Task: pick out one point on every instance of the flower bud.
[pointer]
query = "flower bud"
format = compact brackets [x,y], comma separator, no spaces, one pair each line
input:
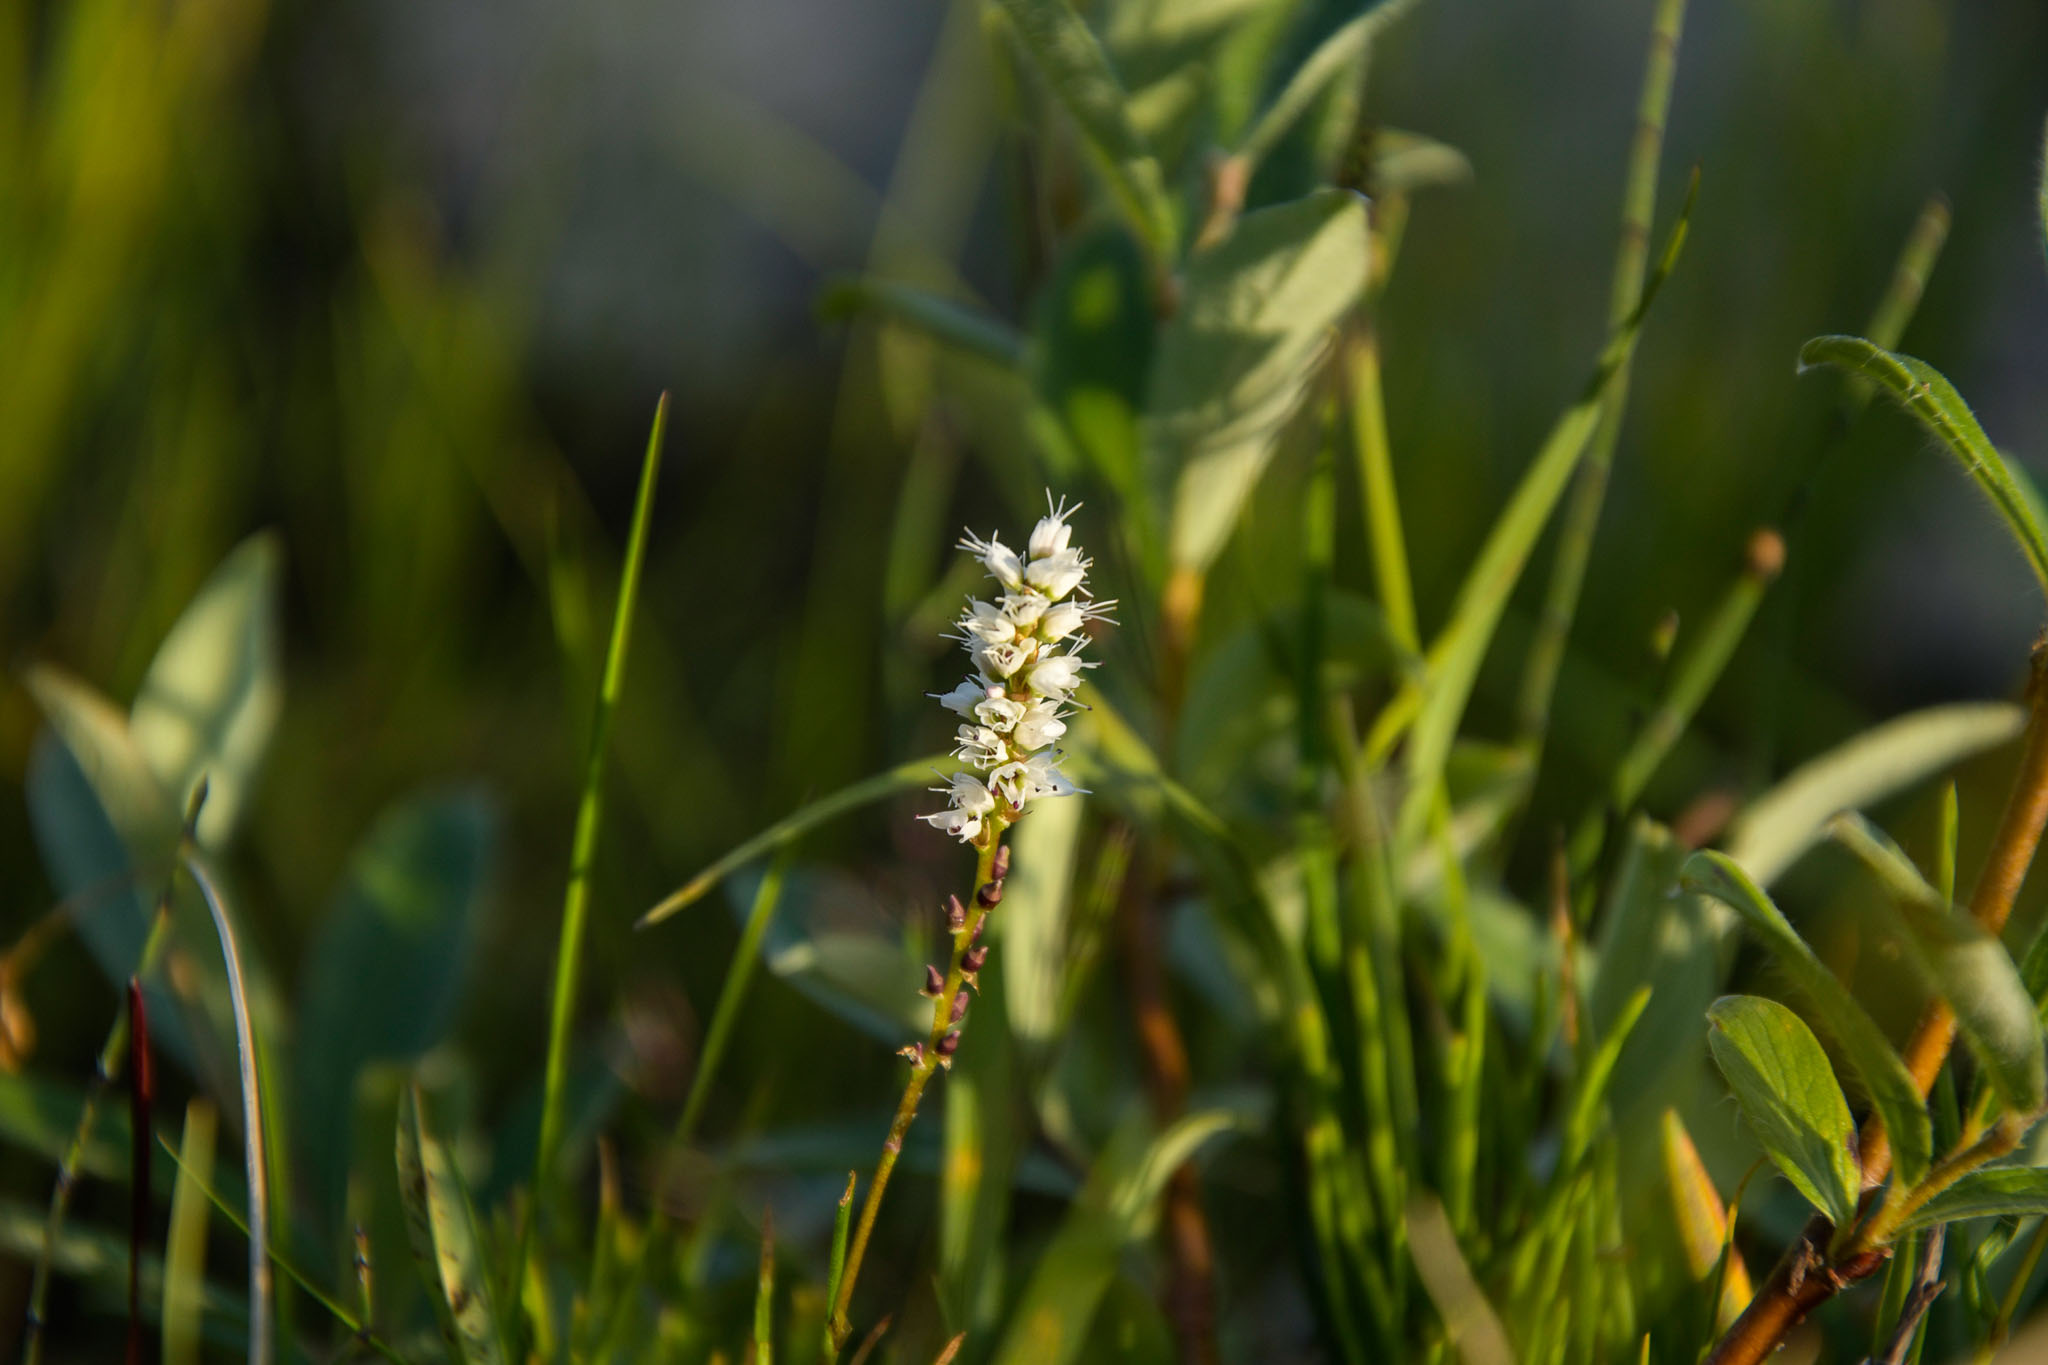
[973,959]
[933,982]
[959,1007]
[949,1044]
[990,895]
[956,915]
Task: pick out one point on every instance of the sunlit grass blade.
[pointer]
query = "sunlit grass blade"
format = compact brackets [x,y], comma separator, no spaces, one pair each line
[902,778]
[1078,74]
[1890,1086]
[185,1244]
[1631,260]
[1702,1222]
[589,816]
[947,321]
[446,1239]
[1775,830]
[1933,401]
[745,958]
[1470,1323]
[842,1222]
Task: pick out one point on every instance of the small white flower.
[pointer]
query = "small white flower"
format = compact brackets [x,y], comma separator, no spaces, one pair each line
[999,713]
[963,699]
[957,823]
[1062,620]
[968,794]
[1043,777]
[979,745]
[1024,608]
[1058,675]
[1057,574]
[1000,661]
[984,621]
[1039,726]
[1051,534]
[1000,560]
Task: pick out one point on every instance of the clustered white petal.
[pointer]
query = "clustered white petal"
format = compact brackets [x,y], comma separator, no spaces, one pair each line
[1026,651]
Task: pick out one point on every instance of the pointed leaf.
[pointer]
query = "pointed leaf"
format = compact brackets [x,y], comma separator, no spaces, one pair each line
[1958,961]
[1336,58]
[1921,390]
[1890,1086]
[446,1240]
[1781,1078]
[211,697]
[1773,831]
[2002,1191]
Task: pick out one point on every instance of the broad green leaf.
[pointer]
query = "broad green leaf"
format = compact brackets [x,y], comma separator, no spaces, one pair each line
[1050,1322]
[2000,1192]
[1334,60]
[1885,1078]
[1781,1078]
[1091,349]
[211,697]
[1077,73]
[947,321]
[1958,961]
[1257,311]
[902,778]
[1437,703]
[1921,390]
[383,975]
[446,1240]
[1773,831]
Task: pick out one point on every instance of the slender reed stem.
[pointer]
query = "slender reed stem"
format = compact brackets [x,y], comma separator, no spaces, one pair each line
[589,817]
[1631,264]
[926,1058]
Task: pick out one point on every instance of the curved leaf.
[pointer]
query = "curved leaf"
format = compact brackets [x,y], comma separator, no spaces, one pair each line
[445,1238]
[1336,58]
[1890,1086]
[1773,831]
[1920,389]
[2002,1191]
[1781,1078]
[1967,967]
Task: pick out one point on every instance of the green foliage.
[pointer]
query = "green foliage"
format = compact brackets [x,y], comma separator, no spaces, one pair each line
[447,1241]
[1781,1077]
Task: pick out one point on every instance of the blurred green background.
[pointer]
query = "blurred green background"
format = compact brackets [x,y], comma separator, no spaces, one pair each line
[402,282]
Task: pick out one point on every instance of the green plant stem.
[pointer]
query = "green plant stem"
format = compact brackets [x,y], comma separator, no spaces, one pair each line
[1361,374]
[1901,1204]
[2009,1306]
[589,817]
[1631,262]
[113,1055]
[923,1066]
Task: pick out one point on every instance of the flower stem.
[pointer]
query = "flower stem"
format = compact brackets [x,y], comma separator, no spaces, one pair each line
[925,1061]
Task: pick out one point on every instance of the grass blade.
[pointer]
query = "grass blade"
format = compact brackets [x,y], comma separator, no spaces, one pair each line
[1890,1086]
[141,1099]
[185,1246]
[1777,828]
[764,1294]
[901,778]
[1921,389]
[1437,705]
[745,958]
[445,1238]
[589,815]
[944,320]
[1631,260]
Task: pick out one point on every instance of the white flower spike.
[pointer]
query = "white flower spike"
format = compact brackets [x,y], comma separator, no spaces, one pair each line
[1016,704]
